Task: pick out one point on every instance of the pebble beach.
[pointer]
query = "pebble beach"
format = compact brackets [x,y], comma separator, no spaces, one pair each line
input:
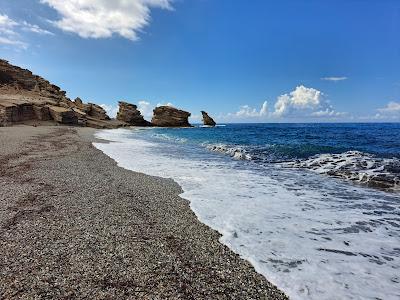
[74,225]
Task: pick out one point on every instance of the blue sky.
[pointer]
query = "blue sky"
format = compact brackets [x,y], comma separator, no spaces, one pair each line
[242,61]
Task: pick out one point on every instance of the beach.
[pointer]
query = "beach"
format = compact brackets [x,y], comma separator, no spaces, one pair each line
[75,225]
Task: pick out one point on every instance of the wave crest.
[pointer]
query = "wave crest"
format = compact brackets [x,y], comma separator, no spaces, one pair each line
[235,152]
[355,166]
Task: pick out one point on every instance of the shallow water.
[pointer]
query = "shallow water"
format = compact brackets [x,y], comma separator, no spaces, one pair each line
[314,236]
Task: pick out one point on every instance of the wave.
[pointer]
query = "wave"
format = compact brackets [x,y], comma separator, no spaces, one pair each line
[356,166]
[237,152]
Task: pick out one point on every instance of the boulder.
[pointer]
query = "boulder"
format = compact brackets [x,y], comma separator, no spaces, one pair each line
[130,114]
[42,113]
[207,120]
[63,115]
[167,116]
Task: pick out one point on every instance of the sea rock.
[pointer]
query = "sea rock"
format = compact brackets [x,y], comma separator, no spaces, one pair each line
[207,120]
[167,116]
[130,114]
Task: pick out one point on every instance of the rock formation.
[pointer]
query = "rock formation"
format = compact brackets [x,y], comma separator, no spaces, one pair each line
[166,116]
[28,97]
[129,113]
[207,120]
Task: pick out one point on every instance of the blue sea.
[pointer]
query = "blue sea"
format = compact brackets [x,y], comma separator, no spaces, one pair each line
[314,207]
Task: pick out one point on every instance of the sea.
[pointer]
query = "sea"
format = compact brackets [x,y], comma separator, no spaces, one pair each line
[315,208]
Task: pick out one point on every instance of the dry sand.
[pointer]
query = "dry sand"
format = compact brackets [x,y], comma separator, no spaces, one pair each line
[73,225]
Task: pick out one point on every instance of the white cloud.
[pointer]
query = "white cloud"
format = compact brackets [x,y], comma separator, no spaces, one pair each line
[145,108]
[165,104]
[12,42]
[246,111]
[301,99]
[7,25]
[390,108]
[34,28]
[111,110]
[302,102]
[9,34]
[104,18]
[335,79]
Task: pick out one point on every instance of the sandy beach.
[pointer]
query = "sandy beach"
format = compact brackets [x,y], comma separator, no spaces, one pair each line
[74,225]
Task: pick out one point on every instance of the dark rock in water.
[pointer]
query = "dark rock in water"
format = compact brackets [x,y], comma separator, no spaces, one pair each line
[166,116]
[207,120]
[130,114]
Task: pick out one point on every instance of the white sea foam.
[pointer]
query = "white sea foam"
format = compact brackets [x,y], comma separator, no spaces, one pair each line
[234,152]
[355,166]
[313,236]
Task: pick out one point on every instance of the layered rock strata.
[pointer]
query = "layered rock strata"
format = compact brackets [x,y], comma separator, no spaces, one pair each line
[129,113]
[167,116]
[28,97]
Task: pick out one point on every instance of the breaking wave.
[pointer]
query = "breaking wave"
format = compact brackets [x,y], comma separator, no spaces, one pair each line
[237,152]
[355,166]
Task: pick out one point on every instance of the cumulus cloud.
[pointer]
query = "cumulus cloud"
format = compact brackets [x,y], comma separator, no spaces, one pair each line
[104,18]
[334,79]
[110,109]
[9,31]
[247,111]
[145,108]
[301,99]
[302,102]
[390,108]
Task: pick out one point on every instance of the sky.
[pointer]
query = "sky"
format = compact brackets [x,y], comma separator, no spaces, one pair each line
[239,60]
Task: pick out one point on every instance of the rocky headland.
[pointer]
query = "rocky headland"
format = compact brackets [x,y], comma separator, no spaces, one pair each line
[26,98]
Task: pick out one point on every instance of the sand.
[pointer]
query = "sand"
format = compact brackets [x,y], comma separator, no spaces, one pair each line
[74,225]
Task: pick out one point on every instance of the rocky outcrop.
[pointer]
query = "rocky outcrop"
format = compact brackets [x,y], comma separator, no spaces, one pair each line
[167,116]
[129,113]
[28,97]
[207,120]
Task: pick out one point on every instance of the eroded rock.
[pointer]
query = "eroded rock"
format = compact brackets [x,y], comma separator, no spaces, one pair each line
[167,116]
[207,120]
[130,114]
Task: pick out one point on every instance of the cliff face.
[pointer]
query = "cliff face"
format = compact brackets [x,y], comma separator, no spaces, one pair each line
[207,120]
[28,97]
[130,114]
[166,116]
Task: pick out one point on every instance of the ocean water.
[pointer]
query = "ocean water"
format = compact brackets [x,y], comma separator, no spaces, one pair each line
[314,207]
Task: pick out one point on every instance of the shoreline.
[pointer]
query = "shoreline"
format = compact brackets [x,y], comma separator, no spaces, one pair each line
[74,224]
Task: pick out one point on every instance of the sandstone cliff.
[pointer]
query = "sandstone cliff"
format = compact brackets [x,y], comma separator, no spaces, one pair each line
[166,116]
[130,114]
[207,120]
[28,97]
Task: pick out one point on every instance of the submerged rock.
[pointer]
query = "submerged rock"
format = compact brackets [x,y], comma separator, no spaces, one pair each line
[130,114]
[207,120]
[167,116]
